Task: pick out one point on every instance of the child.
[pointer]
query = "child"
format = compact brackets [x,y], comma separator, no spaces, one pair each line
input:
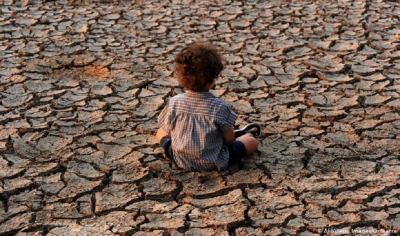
[196,128]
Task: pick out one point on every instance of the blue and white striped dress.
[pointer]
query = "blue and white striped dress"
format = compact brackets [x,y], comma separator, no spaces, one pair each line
[196,122]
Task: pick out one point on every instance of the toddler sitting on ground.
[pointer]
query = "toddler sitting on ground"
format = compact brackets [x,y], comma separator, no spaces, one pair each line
[196,128]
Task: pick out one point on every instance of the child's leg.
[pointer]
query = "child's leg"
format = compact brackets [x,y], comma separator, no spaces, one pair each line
[249,141]
[161,133]
[241,147]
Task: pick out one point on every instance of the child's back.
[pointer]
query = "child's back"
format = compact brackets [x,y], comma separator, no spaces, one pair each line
[195,121]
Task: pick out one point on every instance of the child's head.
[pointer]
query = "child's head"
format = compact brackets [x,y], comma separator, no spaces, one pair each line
[198,65]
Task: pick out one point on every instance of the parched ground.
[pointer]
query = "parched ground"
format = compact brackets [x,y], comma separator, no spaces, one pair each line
[82,83]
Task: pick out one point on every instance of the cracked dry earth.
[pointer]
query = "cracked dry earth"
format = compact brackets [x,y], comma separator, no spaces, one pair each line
[82,84]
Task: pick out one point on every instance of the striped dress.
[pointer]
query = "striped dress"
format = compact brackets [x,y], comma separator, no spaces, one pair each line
[196,122]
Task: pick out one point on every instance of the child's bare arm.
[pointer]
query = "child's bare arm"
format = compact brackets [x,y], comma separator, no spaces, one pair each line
[229,136]
[160,134]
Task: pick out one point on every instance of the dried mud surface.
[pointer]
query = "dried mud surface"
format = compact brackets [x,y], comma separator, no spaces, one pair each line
[82,84]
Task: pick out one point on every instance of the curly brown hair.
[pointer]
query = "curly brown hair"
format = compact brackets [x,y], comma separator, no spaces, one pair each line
[198,65]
